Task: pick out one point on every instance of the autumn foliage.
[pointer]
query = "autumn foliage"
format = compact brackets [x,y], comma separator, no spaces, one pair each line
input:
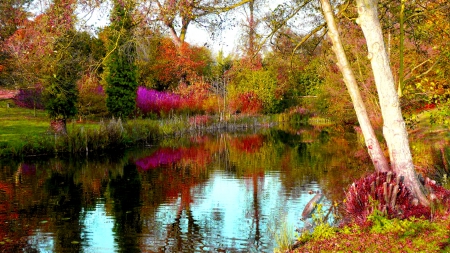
[247,102]
[30,98]
[194,98]
[389,195]
[175,64]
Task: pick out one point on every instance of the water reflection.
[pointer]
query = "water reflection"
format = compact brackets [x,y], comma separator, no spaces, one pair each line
[98,229]
[211,193]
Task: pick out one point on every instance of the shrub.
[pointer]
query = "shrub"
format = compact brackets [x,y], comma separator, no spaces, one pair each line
[152,101]
[193,96]
[30,98]
[92,98]
[383,192]
[247,103]
[255,88]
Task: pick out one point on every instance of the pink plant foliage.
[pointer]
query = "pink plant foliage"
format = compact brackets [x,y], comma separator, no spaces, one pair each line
[8,94]
[152,101]
[186,98]
[195,155]
[30,98]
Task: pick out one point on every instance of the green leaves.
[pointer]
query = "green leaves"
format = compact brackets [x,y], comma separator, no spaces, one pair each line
[121,70]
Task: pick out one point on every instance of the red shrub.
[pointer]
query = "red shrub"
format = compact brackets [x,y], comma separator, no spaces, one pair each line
[384,192]
[248,103]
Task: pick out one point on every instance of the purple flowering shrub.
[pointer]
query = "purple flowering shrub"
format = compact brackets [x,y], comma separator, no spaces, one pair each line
[192,99]
[30,98]
[152,101]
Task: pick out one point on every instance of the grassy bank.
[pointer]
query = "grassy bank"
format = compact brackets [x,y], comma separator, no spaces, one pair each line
[25,132]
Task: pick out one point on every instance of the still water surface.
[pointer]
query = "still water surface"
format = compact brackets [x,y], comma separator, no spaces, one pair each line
[227,192]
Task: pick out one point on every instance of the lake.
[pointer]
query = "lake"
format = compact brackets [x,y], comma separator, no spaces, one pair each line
[222,192]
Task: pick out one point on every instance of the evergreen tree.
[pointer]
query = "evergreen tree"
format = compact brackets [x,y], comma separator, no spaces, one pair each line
[61,93]
[120,67]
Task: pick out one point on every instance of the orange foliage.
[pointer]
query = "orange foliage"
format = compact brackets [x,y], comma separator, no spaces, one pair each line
[178,63]
[193,95]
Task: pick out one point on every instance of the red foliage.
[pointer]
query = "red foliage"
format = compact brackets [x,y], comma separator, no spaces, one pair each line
[176,63]
[441,194]
[8,94]
[248,103]
[367,194]
[193,96]
[36,37]
[426,107]
[197,155]
[248,144]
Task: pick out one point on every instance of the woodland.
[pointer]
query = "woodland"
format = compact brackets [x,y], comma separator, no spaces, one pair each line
[388,61]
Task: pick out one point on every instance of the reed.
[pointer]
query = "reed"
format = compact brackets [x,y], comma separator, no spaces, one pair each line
[284,237]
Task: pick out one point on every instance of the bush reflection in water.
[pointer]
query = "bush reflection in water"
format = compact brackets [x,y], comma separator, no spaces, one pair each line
[203,193]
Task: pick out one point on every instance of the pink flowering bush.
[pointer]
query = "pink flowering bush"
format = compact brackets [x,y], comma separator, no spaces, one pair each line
[190,99]
[152,101]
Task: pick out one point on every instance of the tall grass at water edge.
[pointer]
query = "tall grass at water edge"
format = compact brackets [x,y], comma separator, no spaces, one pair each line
[24,132]
[102,136]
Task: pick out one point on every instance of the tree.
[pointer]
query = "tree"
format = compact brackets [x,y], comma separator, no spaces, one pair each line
[120,67]
[177,15]
[394,129]
[184,64]
[61,93]
[12,16]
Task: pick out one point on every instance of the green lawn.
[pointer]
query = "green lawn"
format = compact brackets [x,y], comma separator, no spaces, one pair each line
[18,122]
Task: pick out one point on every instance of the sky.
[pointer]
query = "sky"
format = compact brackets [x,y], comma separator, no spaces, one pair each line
[226,42]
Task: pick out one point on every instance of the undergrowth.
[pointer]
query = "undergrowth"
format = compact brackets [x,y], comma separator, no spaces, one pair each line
[322,229]
[383,235]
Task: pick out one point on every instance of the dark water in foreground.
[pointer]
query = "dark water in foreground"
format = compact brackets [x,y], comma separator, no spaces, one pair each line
[206,193]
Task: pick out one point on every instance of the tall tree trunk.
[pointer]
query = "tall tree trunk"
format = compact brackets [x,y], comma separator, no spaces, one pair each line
[373,146]
[252,28]
[394,129]
[401,71]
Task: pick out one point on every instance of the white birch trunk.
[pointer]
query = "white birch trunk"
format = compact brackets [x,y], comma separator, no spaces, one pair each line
[376,153]
[394,129]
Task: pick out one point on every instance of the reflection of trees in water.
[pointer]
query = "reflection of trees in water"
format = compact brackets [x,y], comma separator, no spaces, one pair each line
[256,208]
[183,234]
[174,184]
[125,190]
[65,213]
[139,193]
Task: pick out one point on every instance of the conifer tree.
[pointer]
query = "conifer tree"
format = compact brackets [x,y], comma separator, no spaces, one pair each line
[120,67]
